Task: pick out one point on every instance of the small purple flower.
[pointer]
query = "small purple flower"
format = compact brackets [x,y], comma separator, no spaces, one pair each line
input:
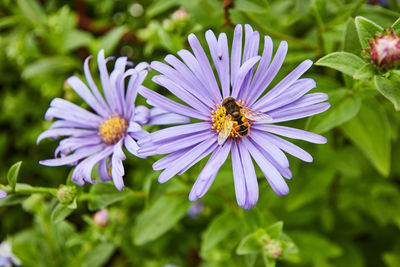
[244,125]
[99,136]
[195,210]
[7,258]
[3,194]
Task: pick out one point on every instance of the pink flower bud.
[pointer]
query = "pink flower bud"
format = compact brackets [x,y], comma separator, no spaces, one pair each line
[101,218]
[385,49]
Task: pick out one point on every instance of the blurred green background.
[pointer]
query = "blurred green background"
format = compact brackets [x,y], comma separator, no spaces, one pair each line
[342,210]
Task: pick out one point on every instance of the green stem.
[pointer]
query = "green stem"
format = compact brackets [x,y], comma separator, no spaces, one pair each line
[280,35]
[321,27]
[30,190]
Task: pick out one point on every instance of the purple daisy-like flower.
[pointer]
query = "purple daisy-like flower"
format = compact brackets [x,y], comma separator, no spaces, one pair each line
[99,136]
[237,117]
[3,194]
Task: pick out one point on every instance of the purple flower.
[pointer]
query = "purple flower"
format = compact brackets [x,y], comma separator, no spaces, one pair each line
[195,210]
[7,258]
[99,136]
[244,127]
[3,194]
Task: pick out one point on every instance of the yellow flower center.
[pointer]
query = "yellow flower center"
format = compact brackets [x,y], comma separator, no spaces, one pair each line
[219,115]
[113,129]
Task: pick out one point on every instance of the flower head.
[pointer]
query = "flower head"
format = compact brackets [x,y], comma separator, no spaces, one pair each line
[384,49]
[236,117]
[98,136]
[3,194]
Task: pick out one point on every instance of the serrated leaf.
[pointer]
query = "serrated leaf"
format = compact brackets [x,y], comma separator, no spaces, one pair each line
[163,215]
[366,29]
[344,106]
[218,230]
[12,174]
[342,61]
[60,212]
[389,87]
[370,132]
[104,194]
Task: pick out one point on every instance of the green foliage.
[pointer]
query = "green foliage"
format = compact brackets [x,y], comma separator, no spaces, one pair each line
[12,174]
[340,211]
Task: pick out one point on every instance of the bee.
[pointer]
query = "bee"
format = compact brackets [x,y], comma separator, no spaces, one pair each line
[237,119]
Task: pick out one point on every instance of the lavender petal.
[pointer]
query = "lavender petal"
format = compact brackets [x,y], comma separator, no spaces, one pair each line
[292,133]
[210,170]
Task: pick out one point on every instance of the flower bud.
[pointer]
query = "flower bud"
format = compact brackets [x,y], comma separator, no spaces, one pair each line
[180,15]
[273,249]
[66,194]
[100,218]
[384,49]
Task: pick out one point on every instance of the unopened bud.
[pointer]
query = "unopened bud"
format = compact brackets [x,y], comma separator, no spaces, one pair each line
[384,49]
[273,249]
[100,218]
[66,194]
[180,15]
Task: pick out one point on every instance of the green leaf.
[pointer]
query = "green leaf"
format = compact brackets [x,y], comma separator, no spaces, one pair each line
[99,255]
[351,41]
[396,25]
[314,247]
[218,230]
[366,73]
[109,41]
[366,30]
[342,61]
[249,6]
[104,194]
[370,132]
[13,200]
[12,174]
[344,106]
[250,244]
[49,66]
[60,212]
[163,215]
[274,231]
[390,87]
[33,11]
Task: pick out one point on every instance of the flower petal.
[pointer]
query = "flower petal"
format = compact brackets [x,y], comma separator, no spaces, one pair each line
[274,178]
[160,101]
[79,154]
[250,177]
[238,176]
[293,133]
[186,159]
[209,172]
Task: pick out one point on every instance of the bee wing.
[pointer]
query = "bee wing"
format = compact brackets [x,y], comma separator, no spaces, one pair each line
[225,130]
[255,115]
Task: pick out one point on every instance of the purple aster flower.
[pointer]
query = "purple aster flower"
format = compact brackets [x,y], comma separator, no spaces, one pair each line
[235,116]
[3,194]
[99,136]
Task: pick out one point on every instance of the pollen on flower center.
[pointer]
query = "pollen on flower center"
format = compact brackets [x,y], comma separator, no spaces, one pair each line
[230,112]
[113,129]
